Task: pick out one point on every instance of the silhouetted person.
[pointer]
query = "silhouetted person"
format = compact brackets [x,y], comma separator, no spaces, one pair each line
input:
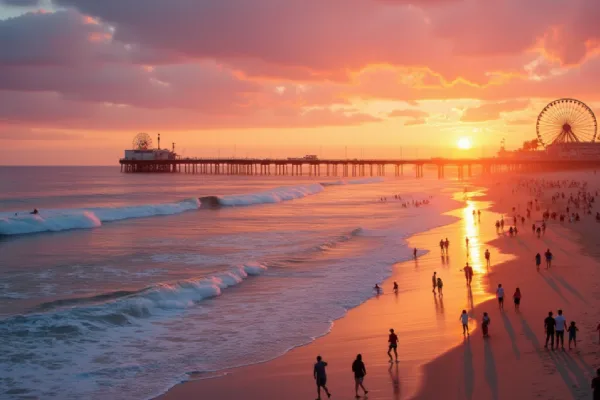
[596,385]
[358,367]
[538,261]
[549,324]
[393,341]
[572,334]
[321,377]
[485,322]
[395,287]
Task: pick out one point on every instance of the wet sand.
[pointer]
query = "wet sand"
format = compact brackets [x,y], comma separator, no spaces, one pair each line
[435,361]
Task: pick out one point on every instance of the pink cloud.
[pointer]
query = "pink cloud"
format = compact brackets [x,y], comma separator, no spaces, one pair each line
[492,111]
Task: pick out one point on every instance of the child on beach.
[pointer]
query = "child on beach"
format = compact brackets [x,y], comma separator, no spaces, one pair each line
[440,285]
[572,334]
[464,318]
[500,295]
[377,289]
[358,367]
[393,341]
[484,324]
[517,298]
[321,377]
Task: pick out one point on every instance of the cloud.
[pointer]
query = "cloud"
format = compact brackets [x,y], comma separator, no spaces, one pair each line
[408,113]
[416,121]
[21,3]
[16,133]
[492,111]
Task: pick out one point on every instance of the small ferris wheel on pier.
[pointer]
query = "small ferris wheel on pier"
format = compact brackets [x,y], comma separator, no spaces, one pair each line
[566,121]
[142,141]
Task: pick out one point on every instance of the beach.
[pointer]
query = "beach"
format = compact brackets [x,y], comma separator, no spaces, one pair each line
[435,360]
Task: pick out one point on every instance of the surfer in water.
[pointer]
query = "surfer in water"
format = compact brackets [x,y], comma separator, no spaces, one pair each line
[377,289]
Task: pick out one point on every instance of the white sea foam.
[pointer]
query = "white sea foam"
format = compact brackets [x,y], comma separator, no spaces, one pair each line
[276,195]
[64,219]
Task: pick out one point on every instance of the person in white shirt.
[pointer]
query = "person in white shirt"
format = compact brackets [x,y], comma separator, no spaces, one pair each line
[464,318]
[560,329]
[500,295]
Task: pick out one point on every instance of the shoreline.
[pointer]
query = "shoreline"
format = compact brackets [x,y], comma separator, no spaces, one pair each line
[421,240]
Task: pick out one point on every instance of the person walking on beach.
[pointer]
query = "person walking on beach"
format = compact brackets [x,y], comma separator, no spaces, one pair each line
[464,318]
[446,245]
[442,245]
[321,377]
[548,255]
[572,334]
[500,295]
[487,258]
[395,287]
[549,324]
[415,253]
[485,322]
[596,385]
[559,326]
[598,329]
[517,298]
[440,286]
[434,281]
[393,341]
[358,367]
[538,261]
[469,273]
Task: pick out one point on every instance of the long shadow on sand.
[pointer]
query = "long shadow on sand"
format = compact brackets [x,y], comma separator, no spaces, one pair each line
[491,376]
[511,333]
[395,378]
[554,286]
[469,371]
[567,286]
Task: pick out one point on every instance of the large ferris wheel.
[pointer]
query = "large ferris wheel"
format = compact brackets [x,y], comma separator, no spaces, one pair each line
[566,121]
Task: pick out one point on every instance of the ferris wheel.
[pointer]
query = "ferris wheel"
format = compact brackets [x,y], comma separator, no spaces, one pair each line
[566,121]
[142,141]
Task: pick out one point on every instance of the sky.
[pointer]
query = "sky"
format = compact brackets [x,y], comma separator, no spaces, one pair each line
[260,78]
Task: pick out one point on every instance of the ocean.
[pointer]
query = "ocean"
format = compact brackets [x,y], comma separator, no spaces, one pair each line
[126,284]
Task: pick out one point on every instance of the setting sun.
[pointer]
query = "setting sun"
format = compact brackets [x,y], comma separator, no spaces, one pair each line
[464,143]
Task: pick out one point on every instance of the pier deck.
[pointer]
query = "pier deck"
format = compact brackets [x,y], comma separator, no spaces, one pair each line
[344,167]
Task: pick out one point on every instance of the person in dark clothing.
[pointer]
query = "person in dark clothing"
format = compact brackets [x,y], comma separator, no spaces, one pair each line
[549,324]
[358,367]
[596,385]
[538,261]
[321,377]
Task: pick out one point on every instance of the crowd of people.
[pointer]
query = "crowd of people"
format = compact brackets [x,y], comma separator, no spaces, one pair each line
[554,325]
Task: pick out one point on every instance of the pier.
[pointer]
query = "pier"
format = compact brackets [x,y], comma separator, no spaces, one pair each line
[346,167]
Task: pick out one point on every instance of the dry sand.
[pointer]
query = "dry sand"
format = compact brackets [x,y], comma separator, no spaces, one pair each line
[435,360]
